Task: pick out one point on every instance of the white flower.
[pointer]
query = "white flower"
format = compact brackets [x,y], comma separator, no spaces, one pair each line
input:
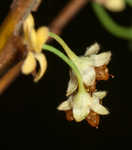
[86,65]
[81,104]
[34,41]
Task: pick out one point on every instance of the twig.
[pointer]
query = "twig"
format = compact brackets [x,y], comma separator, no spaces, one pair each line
[13,52]
[16,55]
[66,15]
[8,78]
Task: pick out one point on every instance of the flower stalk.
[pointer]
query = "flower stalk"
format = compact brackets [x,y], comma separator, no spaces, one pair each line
[69,62]
[68,51]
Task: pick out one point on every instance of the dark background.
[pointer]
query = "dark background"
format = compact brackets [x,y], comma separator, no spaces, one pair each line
[28,110]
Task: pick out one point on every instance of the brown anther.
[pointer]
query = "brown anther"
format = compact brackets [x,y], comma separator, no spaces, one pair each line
[69,115]
[102,73]
[91,88]
[93,119]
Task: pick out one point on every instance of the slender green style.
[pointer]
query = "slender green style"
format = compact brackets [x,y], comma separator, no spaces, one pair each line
[68,51]
[110,24]
[49,48]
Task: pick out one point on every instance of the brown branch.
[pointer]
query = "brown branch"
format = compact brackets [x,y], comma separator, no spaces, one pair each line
[9,77]
[66,15]
[14,51]
[16,55]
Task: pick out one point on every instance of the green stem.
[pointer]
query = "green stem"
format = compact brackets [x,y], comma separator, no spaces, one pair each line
[68,51]
[69,62]
[110,25]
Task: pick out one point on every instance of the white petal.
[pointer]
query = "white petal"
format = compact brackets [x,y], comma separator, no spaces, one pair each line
[72,84]
[88,75]
[85,61]
[93,49]
[102,58]
[29,64]
[100,94]
[43,66]
[81,106]
[85,66]
[99,109]
[80,114]
[66,105]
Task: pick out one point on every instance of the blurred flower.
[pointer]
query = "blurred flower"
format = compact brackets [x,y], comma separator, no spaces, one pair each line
[34,40]
[82,103]
[113,5]
[92,67]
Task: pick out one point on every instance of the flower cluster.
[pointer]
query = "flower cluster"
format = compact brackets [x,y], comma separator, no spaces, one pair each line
[87,104]
[92,67]
[84,101]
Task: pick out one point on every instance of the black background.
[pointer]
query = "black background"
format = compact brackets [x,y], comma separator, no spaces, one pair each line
[28,110]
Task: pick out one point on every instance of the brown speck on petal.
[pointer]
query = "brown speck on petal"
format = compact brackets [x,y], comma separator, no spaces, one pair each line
[102,73]
[69,115]
[91,88]
[93,119]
